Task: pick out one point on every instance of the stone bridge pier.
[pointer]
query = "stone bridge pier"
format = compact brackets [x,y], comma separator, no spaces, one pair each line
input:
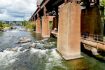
[65,17]
[68,39]
[38,25]
[68,42]
[46,30]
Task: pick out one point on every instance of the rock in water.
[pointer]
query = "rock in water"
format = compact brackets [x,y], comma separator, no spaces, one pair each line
[33,45]
[24,40]
[39,46]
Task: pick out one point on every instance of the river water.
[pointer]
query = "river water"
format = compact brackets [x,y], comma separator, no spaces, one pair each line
[18,56]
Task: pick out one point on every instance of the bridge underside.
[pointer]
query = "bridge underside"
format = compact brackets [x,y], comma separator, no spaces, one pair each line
[69,21]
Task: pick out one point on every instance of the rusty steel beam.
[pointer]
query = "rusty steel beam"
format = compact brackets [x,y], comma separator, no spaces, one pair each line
[38,9]
[45,11]
[43,5]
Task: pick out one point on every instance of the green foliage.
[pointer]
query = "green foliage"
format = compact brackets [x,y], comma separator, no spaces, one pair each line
[28,25]
[6,25]
[24,23]
[102,2]
[3,25]
[50,24]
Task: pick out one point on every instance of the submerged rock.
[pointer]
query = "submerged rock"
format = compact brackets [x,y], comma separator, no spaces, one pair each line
[21,49]
[24,40]
[33,45]
[44,41]
[50,45]
[39,46]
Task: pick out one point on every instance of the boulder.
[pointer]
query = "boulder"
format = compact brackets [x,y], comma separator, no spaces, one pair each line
[39,46]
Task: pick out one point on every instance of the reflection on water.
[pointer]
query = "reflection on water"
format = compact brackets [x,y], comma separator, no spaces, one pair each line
[23,58]
[76,64]
[37,36]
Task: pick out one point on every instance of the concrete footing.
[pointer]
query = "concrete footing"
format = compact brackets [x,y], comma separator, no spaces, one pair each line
[68,42]
[71,56]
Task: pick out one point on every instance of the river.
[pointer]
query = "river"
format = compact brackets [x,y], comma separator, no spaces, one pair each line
[25,58]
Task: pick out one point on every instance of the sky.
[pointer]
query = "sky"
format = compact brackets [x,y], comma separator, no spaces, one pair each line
[16,10]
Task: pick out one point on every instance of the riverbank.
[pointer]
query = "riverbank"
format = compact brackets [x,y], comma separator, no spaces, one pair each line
[4,26]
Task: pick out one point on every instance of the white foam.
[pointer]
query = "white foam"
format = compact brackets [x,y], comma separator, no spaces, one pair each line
[54,59]
[12,61]
[55,54]
[32,50]
[8,57]
[14,31]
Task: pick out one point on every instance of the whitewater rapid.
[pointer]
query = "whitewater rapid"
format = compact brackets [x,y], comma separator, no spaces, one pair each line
[22,56]
[29,59]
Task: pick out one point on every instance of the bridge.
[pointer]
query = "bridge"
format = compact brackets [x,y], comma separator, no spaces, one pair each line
[68,20]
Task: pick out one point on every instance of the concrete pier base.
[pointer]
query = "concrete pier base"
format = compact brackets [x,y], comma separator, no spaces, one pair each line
[38,26]
[72,56]
[68,42]
[46,26]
